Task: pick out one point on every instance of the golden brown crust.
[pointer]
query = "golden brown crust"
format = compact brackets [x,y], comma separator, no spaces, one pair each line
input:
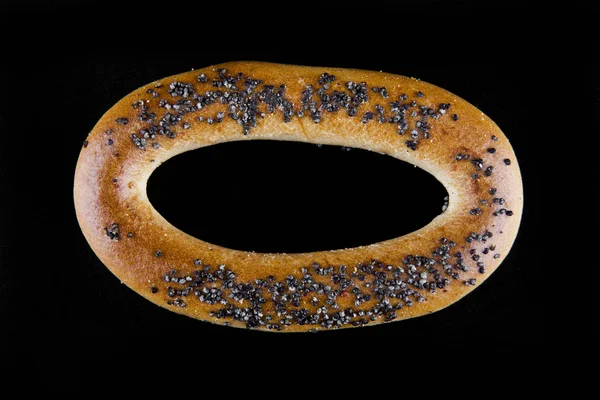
[111,202]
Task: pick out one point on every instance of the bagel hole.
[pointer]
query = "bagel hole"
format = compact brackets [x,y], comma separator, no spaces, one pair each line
[288,197]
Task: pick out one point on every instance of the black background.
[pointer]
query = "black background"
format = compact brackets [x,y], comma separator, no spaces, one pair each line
[67,319]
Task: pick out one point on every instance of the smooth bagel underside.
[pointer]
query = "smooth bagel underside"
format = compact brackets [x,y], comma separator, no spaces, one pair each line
[405,277]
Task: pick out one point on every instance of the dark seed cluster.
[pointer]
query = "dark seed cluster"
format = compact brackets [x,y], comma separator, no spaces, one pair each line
[113,231]
[369,291]
[503,211]
[177,89]
[479,165]
[246,100]
[382,91]
[139,142]
[325,78]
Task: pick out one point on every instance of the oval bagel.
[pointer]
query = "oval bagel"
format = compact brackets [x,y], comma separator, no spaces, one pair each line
[411,120]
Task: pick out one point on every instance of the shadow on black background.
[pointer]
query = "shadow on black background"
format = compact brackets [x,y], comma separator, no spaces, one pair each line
[62,310]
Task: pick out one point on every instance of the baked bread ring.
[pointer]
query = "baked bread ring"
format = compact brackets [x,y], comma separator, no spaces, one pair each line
[406,118]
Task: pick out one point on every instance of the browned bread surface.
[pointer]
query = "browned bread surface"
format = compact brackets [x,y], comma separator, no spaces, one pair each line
[406,118]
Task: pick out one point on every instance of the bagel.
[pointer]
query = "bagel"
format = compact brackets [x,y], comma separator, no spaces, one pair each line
[411,120]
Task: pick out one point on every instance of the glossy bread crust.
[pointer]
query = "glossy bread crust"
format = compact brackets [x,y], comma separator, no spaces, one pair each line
[405,277]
